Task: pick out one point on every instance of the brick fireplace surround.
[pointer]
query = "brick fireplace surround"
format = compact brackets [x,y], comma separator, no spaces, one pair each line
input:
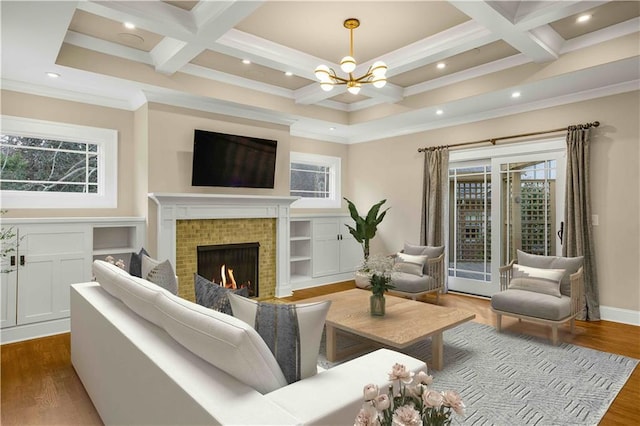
[185,221]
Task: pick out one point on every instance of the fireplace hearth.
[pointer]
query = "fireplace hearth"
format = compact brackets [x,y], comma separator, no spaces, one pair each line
[232,266]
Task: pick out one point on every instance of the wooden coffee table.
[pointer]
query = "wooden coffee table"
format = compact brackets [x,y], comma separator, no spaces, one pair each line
[405,322]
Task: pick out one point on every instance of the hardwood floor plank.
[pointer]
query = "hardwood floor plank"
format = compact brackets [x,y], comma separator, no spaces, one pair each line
[40,387]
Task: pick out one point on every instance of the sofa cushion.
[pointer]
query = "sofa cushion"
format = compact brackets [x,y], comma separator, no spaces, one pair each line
[430,251]
[569,264]
[532,304]
[411,283]
[135,263]
[213,296]
[137,294]
[222,340]
[311,317]
[540,280]
[160,273]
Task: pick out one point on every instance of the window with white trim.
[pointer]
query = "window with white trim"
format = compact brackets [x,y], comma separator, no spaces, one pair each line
[55,165]
[315,179]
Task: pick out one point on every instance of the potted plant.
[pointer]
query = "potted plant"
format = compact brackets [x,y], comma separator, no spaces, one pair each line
[366,227]
[378,268]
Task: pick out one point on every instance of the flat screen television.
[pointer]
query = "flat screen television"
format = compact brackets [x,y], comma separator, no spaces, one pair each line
[220,159]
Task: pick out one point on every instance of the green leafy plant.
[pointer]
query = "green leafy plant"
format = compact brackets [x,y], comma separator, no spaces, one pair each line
[366,227]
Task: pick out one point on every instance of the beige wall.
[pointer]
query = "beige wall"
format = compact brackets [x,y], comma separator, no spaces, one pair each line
[392,169]
[49,109]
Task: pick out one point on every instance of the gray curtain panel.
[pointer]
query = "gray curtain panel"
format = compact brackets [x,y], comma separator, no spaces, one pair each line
[578,238]
[435,195]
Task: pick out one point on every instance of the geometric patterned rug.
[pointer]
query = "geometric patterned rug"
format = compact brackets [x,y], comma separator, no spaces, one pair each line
[509,379]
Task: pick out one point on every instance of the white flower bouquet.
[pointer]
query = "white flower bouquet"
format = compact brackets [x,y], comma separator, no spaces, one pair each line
[409,402]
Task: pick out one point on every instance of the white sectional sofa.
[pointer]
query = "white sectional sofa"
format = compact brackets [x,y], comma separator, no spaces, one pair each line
[146,356]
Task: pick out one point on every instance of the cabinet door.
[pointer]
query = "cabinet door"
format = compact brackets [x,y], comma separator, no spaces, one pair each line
[55,256]
[9,283]
[326,249]
[351,255]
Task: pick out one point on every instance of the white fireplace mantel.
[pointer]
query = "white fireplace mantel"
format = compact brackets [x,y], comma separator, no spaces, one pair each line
[173,207]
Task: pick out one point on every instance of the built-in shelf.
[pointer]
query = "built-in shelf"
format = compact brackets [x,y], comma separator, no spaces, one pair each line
[300,253]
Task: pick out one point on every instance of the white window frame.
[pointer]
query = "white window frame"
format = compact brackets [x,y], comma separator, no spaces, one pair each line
[335,184]
[107,141]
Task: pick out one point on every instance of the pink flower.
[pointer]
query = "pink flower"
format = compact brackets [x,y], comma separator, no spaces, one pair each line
[424,378]
[370,391]
[368,416]
[432,399]
[452,399]
[400,372]
[382,402]
[120,264]
[406,416]
[109,259]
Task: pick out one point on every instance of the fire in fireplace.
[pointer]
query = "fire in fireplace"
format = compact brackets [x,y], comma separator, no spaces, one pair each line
[231,265]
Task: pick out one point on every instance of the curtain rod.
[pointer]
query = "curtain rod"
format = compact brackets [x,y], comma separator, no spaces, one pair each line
[522,135]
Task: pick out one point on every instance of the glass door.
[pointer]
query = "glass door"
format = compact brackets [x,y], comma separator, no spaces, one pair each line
[500,205]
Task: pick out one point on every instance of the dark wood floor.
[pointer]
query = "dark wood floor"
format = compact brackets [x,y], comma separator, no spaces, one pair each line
[40,387]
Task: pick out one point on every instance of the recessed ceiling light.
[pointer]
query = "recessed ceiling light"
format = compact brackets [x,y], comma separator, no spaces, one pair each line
[129,26]
[441,65]
[583,18]
[439,112]
[332,128]
[246,61]
[515,95]
[288,73]
[53,75]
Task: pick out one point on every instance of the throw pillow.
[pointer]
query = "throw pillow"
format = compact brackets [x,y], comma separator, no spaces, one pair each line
[569,264]
[409,268]
[135,263]
[545,281]
[403,257]
[213,296]
[160,273]
[310,318]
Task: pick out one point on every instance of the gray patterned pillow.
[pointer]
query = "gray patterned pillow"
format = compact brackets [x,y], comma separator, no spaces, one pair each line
[213,296]
[160,273]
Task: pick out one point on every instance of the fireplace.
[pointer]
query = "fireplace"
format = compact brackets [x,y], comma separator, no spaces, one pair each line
[231,265]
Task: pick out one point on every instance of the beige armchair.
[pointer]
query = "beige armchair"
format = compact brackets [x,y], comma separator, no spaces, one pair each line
[543,289]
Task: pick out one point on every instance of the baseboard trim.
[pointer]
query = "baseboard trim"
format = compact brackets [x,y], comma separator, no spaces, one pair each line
[625,316]
[35,330]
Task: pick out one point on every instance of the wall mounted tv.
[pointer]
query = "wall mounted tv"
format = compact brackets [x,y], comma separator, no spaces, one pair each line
[220,159]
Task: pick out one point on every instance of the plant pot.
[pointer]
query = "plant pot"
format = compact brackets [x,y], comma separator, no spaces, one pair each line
[376,305]
[362,279]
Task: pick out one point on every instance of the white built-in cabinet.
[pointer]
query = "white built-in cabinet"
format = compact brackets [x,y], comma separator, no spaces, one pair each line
[322,250]
[48,255]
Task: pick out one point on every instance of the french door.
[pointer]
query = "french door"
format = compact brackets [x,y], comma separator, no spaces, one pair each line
[498,205]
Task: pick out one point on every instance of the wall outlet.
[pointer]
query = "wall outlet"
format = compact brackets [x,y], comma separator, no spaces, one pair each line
[595,220]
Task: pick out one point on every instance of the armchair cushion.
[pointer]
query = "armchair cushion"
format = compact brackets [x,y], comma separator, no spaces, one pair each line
[409,268]
[411,283]
[538,305]
[569,264]
[430,251]
[546,281]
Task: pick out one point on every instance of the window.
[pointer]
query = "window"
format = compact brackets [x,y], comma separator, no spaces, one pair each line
[316,179]
[55,165]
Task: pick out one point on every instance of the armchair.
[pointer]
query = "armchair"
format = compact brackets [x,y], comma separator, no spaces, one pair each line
[418,270]
[543,289]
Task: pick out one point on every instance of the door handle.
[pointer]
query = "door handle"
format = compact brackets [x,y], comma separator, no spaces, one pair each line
[561,231]
[22,260]
[13,261]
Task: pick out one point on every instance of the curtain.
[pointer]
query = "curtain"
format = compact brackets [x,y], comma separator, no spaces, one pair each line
[578,237]
[435,196]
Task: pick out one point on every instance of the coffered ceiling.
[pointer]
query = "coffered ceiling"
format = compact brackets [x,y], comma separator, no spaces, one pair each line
[190,53]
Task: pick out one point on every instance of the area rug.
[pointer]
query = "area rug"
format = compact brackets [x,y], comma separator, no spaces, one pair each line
[509,379]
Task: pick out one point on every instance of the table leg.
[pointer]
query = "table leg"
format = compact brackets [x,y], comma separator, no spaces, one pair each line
[436,351]
[330,343]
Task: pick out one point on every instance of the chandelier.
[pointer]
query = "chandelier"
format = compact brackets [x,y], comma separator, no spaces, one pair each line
[376,74]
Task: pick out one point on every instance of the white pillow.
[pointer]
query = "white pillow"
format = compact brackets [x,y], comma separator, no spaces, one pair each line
[409,268]
[311,317]
[160,273]
[421,259]
[545,281]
